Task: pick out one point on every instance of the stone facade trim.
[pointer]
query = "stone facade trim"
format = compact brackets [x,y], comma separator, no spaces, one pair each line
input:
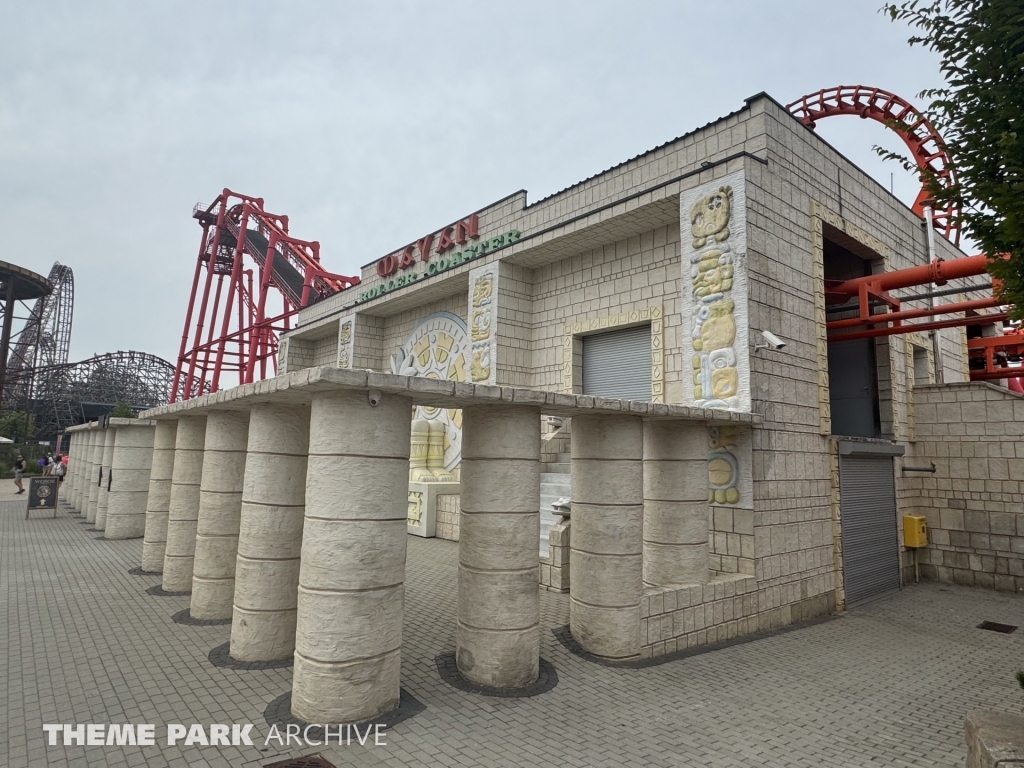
[572,346]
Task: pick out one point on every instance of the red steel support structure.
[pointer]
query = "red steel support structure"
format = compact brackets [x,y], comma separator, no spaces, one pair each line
[928,152]
[258,277]
[866,294]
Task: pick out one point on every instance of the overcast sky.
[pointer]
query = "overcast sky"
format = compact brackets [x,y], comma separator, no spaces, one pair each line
[371,124]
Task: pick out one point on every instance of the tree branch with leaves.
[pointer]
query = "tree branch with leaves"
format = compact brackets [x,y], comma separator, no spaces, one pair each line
[980,115]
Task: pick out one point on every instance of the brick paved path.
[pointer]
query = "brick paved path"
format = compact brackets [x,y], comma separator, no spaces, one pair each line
[888,684]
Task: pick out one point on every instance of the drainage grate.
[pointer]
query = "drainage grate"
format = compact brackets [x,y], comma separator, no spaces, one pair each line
[995,626]
[307,761]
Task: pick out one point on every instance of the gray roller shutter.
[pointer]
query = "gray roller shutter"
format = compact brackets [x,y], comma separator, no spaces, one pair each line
[867,503]
[618,364]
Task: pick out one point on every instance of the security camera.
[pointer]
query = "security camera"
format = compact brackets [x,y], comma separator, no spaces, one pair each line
[774,342]
[374,396]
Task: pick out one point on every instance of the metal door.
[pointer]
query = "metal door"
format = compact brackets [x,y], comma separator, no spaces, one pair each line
[867,504]
[853,388]
[618,364]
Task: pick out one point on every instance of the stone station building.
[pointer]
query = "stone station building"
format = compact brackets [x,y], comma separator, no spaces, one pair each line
[604,344]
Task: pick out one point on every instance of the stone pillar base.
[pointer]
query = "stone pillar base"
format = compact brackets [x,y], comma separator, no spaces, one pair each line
[554,569]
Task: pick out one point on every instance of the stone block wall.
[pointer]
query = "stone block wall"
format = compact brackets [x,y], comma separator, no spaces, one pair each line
[974,502]
[728,607]
[731,543]
[620,277]
[554,569]
[805,190]
[515,326]
[300,354]
[325,350]
[368,343]
[740,131]
[448,517]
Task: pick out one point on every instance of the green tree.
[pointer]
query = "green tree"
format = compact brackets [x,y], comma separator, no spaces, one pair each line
[16,425]
[123,411]
[980,114]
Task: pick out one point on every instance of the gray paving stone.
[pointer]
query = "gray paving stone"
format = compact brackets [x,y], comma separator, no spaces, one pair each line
[887,684]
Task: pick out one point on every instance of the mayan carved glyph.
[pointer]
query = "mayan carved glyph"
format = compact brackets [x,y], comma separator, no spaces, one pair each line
[346,342]
[715,294]
[714,307]
[415,513]
[723,467]
[437,348]
[282,357]
[483,321]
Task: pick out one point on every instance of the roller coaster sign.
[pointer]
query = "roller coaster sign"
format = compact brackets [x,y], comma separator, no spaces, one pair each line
[389,265]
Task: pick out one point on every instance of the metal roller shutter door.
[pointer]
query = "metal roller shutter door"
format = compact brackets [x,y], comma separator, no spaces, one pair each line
[618,364]
[867,501]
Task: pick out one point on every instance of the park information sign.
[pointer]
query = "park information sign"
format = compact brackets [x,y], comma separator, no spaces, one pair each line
[42,494]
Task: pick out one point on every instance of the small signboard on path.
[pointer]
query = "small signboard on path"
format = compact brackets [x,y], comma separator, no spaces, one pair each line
[42,494]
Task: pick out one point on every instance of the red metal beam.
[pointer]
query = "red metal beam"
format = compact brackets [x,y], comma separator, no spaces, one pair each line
[238,316]
[954,323]
[938,272]
[911,314]
[997,373]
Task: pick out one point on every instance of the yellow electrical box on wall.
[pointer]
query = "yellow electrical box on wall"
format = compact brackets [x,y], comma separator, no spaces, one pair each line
[915,531]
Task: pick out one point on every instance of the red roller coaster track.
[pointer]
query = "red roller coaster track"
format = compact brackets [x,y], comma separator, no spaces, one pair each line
[242,325]
[925,145]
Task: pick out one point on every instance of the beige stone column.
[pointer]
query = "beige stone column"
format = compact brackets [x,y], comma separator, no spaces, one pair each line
[82,470]
[103,494]
[497,636]
[79,468]
[68,491]
[606,549]
[675,503]
[270,534]
[129,480]
[82,487]
[183,508]
[95,465]
[158,499]
[220,510]
[348,644]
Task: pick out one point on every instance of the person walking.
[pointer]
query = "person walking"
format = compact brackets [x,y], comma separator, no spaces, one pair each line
[19,472]
[59,470]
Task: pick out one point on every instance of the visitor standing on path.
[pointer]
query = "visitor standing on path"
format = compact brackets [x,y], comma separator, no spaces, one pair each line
[19,472]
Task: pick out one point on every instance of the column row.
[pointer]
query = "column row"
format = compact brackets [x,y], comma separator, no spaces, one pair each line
[108,475]
[639,517]
[291,520]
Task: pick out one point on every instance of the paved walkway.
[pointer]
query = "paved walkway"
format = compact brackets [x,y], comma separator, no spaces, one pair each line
[888,684]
